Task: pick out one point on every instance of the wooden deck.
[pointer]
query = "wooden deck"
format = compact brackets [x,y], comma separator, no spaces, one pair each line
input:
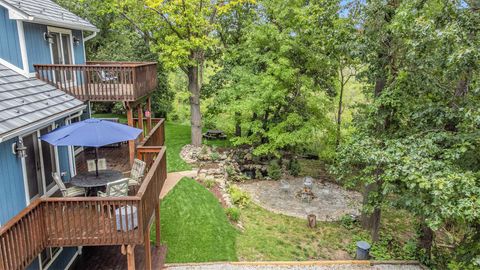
[110,257]
[87,221]
[102,81]
[117,158]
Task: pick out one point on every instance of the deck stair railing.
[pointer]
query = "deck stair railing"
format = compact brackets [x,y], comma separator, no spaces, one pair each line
[87,221]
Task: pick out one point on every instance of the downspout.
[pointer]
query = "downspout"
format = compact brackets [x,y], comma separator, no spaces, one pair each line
[85,39]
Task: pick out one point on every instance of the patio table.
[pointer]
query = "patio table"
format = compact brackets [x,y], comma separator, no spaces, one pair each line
[91,181]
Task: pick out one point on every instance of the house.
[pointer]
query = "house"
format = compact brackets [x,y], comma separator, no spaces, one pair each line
[45,83]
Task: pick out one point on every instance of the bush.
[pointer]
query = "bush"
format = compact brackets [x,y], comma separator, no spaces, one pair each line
[274,170]
[239,197]
[230,170]
[209,183]
[233,213]
[215,156]
[118,108]
[347,221]
[294,167]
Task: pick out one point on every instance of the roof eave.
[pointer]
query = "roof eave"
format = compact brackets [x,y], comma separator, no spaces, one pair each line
[34,126]
[64,25]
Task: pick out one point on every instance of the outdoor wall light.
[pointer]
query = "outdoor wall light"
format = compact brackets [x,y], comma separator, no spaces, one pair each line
[76,41]
[19,149]
[48,37]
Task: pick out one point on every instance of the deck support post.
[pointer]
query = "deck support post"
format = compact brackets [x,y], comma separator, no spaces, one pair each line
[131,257]
[148,250]
[130,252]
[149,115]
[131,143]
[157,224]
[140,119]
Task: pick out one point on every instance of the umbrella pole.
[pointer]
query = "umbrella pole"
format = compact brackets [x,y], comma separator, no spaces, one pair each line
[96,160]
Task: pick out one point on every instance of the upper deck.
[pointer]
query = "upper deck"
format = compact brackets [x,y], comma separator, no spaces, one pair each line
[102,81]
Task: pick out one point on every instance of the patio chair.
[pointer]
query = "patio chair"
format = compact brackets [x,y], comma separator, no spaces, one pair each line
[102,164]
[117,188]
[136,174]
[68,192]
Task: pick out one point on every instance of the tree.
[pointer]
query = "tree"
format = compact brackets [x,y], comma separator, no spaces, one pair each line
[417,138]
[278,79]
[184,33]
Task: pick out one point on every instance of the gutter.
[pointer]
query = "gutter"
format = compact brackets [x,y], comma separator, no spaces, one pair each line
[85,39]
[37,125]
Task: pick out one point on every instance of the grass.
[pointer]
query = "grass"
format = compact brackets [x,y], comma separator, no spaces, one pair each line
[274,237]
[176,136]
[194,225]
[121,118]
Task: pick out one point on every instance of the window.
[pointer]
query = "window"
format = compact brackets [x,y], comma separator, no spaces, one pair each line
[49,161]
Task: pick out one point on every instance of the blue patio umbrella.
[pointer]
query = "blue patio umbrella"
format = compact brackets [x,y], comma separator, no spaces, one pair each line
[92,133]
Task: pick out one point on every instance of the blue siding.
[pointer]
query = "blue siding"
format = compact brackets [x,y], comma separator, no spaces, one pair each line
[78,51]
[9,43]
[38,49]
[63,159]
[12,189]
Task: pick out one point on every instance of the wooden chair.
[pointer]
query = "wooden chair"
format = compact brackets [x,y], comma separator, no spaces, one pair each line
[102,164]
[136,174]
[117,188]
[68,192]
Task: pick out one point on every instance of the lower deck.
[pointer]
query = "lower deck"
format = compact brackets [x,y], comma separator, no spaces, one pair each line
[116,157]
[111,258]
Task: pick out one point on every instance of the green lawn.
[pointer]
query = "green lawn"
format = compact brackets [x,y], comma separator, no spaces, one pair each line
[194,226]
[274,237]
[176,137]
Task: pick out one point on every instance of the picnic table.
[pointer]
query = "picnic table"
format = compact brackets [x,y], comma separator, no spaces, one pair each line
[213,134]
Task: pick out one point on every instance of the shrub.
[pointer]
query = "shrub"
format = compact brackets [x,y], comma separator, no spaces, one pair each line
[233,213]
[274,170]
[294,167]
[209,183]
[239,197]
[230,170]
[347,221]
[214,156]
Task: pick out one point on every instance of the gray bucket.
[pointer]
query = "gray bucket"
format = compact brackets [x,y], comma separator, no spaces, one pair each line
[363,250]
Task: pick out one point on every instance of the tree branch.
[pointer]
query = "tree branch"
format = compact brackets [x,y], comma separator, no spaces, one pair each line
[170,25]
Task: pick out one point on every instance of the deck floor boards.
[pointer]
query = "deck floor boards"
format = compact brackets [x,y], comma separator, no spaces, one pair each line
[117,158]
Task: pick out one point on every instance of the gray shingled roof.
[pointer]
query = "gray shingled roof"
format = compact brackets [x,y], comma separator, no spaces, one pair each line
[28,102]
[48,12]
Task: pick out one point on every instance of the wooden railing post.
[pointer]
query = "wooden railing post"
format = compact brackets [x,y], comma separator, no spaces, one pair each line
[149,115]
[157,225]
[140,120]
[148,250]
[131,143]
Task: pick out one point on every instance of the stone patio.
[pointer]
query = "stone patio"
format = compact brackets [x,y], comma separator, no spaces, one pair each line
[331,202]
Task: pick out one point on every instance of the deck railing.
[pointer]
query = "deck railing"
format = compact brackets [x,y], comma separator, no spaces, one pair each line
[102,81]
[85,221]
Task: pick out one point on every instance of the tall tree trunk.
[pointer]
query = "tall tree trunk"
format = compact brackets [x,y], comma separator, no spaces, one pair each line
[371,221]
[339,115]
[195,114]
[426,237]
